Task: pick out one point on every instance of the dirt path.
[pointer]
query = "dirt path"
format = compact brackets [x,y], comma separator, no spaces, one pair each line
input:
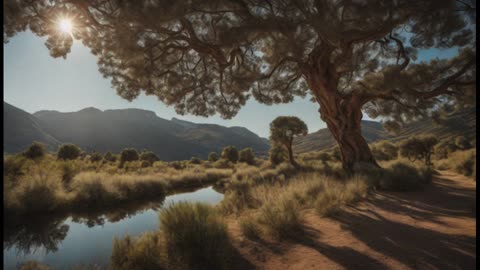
[430,229]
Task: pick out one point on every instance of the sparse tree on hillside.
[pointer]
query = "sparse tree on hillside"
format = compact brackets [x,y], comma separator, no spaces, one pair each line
[419,148]
[109,157]
[149,157]
[230,153]
[246,155]
[207,57]
[284,129]
[68,152]
[128,154]
[212,157]
[35,151]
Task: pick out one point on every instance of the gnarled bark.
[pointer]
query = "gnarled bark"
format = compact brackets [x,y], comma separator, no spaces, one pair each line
[341,112]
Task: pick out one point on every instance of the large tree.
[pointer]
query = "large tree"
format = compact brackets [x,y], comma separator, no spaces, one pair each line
[207,57]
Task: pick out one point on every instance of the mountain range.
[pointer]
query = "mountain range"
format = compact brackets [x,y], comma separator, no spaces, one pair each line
[460,123]
[114,130]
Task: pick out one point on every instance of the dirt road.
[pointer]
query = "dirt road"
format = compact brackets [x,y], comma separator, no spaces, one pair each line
[429,229]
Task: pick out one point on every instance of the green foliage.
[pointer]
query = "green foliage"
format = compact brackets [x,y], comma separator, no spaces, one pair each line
[246,155]
[68,152]
[196,237]
[284,129]
[35,151]
[95,157]
[149,157]
[230,153]
[109,157]
[128,154]
[277,154]
[212,157]
[419,148]
[195,160]
[384,150]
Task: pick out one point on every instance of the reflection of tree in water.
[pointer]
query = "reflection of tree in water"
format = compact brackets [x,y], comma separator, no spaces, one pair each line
[27,235]
[30,233]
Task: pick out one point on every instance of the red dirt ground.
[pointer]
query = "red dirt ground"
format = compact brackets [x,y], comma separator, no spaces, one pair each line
[429,229]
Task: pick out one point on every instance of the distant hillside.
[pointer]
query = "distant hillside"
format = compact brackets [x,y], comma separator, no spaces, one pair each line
[20,129]
[461,123]
[114,130]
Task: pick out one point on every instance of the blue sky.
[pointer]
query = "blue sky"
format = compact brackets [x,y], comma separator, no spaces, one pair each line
[34,81]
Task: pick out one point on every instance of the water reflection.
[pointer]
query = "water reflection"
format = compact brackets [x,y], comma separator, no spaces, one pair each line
[63,241]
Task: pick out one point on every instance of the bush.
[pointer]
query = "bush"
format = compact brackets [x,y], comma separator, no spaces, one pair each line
[237,198]
[128,154]
[462,143]
[195,160]
[246,155]
[212,157]
[68,171]
[149,157]
[13,168]
[196,237]
[35,151]
[384,150]
[465,164]
[95,157]
[109,157]
[68,152]
[177,165]
[139,254]
[230,153]
[281,219]
[401,176]
[419,148]
[277,154]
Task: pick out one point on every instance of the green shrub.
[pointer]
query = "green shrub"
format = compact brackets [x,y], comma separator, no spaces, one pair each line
[128,154]
[195,236]
[419,148]
[281,219]
[246,155]
[35,151]
[230,153]
[277,154]
[68,152]
[212,157]
[149,157]
[109,157]
[402,176]
[384,150]
[95,157]
[195,160]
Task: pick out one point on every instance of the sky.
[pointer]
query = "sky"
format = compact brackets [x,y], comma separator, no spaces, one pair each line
[33,81]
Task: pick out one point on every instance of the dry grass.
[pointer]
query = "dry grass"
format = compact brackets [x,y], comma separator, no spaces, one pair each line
[460,161]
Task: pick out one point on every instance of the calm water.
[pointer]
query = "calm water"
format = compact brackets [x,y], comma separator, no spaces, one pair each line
[65,242]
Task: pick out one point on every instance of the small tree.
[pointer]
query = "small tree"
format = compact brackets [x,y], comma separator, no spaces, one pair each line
[35,151]
[95,157]
[195,160]
[230,153]
[277,154]
[462,143]
[284,129]
[385,150]
[246,155]
[149,157]
[128,154]
[419,148]
[68,152]
[444,148]
[212,157]
[324,157]
[109,157]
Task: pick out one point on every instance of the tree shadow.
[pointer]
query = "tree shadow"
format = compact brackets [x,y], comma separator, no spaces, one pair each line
[416,246]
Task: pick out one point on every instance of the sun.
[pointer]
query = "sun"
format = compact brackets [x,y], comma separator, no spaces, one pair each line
[65,25]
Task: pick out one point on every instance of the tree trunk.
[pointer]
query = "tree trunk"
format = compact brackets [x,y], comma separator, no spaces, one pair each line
[341,112]
[290,154]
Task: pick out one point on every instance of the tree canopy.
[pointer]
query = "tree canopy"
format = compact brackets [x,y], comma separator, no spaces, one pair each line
[284,129]
[207,57]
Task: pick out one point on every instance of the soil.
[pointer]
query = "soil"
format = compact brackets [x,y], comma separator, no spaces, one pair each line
[429,229]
